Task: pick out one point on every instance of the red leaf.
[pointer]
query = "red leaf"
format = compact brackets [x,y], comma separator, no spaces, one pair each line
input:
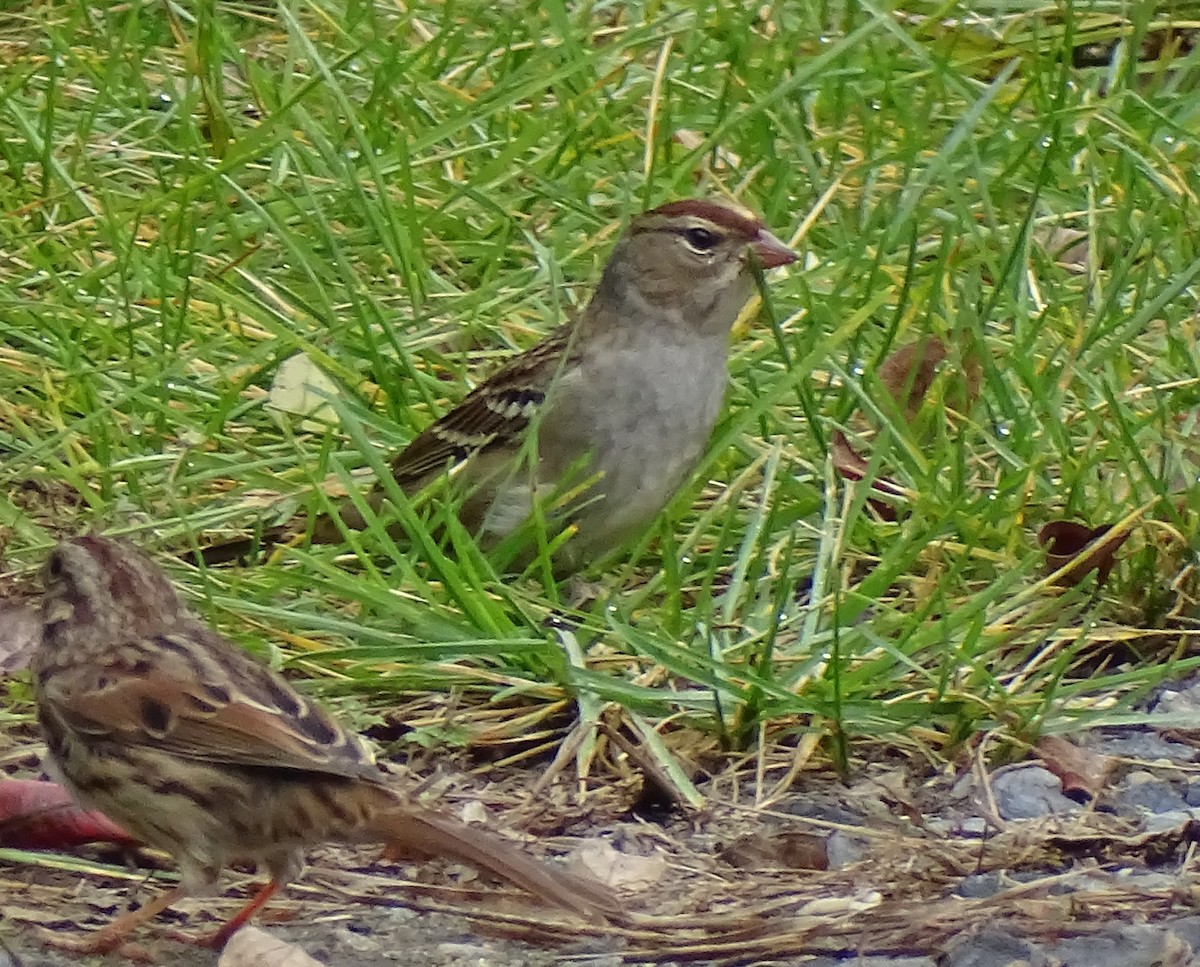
[42,815]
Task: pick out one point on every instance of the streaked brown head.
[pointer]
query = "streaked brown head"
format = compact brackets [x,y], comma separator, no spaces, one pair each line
[99,590]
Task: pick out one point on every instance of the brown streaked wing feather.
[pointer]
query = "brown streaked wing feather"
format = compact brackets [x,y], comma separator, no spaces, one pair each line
[141,695]
[495,412]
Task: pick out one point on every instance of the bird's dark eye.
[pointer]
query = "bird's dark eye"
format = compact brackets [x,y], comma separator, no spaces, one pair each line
[701,239]
[54,565]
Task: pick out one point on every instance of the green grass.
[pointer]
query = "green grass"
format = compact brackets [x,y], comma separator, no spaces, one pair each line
[192,193]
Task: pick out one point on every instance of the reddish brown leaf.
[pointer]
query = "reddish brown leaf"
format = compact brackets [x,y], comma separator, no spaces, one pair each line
[42,815]
[909,372]
[849,463]
[778,849]
[1078,769]
[1084,548]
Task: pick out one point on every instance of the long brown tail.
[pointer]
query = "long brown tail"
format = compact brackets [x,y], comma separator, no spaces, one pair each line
[409,828]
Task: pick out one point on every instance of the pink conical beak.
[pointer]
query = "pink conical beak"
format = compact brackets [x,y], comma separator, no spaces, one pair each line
[770,251]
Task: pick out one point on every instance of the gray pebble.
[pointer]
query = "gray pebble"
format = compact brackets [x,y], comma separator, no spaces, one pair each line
[988,948]
[1028,792]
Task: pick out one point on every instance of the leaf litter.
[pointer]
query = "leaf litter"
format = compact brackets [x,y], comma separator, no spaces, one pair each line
[877,868]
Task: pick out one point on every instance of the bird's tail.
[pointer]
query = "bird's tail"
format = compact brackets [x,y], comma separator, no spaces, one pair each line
[409,829]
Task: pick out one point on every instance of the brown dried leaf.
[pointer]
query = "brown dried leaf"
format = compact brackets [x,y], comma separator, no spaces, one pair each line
[778,849]
[1066,246]
[46,501]
[1164,43]
[1080,549]
[628,871]
[1156,846]
[1077,769]
[301,390]
[252,947]
[688,138]
[691,140]
[849,463]
[908,375]
[1176,952]
[890,788]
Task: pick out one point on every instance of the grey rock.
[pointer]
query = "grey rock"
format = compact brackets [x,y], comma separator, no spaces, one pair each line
[989,948]
[872,962]
[979,885]
[826,812]
[1145,790]
[843,849]
[1029,792]
[1144,744]
[1180,700]
[1133,946]
[1157,822]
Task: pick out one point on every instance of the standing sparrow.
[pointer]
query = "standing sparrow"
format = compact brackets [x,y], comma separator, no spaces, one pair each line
[620,401]
[196,748]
